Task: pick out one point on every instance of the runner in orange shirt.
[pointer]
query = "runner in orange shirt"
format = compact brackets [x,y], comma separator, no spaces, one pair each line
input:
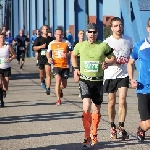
[58,52]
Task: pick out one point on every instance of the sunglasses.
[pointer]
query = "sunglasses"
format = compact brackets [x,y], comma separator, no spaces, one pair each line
[92,32]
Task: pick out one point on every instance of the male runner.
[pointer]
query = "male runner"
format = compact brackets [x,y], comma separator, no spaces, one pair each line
[116,77]
[92,62]
[141,53]
[21,40]
[41,45]
[60,50]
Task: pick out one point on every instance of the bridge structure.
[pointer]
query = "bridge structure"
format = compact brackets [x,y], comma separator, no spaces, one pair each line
[74,15]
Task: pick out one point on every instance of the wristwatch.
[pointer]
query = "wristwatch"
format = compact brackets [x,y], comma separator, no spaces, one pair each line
[75,68]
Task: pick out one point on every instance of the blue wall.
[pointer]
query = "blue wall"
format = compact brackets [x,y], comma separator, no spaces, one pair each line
[135,20]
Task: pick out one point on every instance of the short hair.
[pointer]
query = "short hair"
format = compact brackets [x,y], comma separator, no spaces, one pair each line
[59,29]
[148,22]
[44,26]
[115,19]
[1,33]
[92,26]
[80,30]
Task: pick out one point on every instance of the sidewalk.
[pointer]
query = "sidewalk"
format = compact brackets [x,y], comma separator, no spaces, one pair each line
[32,121]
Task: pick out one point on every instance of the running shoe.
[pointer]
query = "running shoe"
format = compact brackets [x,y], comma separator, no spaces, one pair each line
[140,134]
[113,133]
[87,142]
[94,140]
[58,102]
[122,132]
[43,86]
[48,91]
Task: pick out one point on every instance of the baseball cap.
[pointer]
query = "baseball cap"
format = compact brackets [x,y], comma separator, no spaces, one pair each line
[92,26]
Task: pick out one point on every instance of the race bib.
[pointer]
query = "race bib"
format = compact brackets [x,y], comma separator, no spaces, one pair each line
[91,66]
[60,54]
[43,52]
[3,61]
[22,48]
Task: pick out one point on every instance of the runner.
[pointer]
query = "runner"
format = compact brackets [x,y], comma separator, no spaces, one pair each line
[5,67]
[41,45]
[92,62]
[60,50]
[81,39]
[116,77]
[21,40]
[141,53]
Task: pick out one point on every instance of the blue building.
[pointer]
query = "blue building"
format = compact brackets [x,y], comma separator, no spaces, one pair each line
[74,15]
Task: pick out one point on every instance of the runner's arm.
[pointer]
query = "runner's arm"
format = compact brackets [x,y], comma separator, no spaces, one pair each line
[110,58]
[130,68]
[14,40]
[133,58]
[36,45]
[13,54]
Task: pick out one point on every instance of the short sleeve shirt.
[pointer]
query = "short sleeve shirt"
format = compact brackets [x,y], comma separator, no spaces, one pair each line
[91,57]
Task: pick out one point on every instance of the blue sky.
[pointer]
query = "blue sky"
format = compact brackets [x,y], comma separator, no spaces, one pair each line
[111,8]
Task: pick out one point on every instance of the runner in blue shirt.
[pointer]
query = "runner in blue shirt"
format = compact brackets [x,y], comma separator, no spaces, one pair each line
[9,39]
[141,54]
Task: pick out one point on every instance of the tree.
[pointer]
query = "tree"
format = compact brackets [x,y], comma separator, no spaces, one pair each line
[106,32]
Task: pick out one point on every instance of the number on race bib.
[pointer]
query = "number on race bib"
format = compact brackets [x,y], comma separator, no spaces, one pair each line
[91,66]
[43,52]
[60,54]
[3,61]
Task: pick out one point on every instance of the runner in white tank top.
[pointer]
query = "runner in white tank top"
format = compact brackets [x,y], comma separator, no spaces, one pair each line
[5,67]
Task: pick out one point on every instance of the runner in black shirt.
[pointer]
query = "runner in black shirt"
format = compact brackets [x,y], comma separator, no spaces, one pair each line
[41,45]
[21,40]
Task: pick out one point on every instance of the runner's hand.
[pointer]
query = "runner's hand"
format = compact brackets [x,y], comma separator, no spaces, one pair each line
[8,60]
[76,75]
[43,46]
[104,65]
[133,83]
[50,60]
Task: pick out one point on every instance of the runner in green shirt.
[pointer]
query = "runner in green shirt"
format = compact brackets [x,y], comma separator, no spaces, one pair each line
[92,62]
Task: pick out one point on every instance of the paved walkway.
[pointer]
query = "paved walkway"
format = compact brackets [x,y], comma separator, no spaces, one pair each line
[32,121]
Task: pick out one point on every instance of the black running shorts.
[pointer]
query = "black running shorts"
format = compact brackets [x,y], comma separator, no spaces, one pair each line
[144,106]
[92,90]
[42,66]
[5,72]
[112,85]
[63,72]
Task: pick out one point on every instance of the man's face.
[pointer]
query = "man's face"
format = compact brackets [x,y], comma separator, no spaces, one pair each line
[81,35]
[58,35]
[2,38]
[45,30]
[4,29]
[92,35]
[117,27]
[50,34]
[38,32]
[21,32]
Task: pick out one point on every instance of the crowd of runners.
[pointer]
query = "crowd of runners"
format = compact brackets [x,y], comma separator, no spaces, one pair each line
[97,66]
